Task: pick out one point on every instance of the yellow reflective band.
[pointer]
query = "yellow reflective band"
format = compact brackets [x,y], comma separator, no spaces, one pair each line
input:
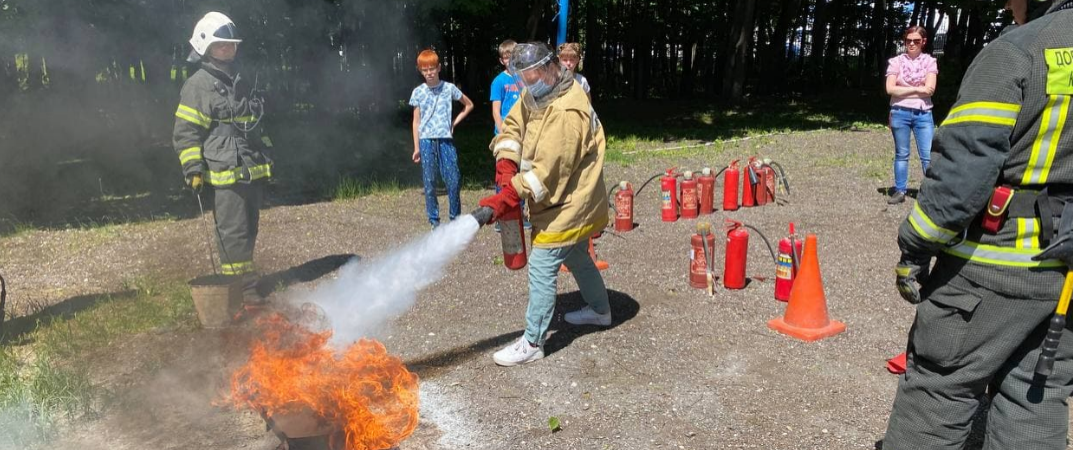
[243,119]
[238,268]
[926,228]
[266,141]
[994,113]
[572,235]
[1000,256]
[229,177]
[1027,232]
[1046,144]
[902,271]
[190,154]
[192,115]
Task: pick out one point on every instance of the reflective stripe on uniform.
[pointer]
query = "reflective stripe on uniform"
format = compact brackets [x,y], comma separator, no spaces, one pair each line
[238,268]
[509,144]
[192,115]
[1027,232]
[190,154]
[926,228]
[535,186]
[572,235]
[999,256]
[994,113]
[243,119]
[229,177]
[1046,144]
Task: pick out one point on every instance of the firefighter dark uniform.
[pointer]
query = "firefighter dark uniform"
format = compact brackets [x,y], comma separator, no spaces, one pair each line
[987,302]
[216,136]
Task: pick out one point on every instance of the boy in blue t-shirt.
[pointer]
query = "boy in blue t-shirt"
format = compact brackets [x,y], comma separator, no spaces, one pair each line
[433,132]
[504,94]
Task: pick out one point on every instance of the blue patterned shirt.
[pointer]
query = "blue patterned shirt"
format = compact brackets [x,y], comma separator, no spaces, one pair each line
[435,103]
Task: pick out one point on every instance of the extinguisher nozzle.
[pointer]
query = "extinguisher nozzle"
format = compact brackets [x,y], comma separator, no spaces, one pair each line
[483,215]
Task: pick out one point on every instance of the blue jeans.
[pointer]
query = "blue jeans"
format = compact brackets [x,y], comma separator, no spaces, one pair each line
[544,266]
[902,122]
[439,155]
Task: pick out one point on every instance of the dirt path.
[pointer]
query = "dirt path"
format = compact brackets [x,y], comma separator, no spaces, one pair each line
[677,369]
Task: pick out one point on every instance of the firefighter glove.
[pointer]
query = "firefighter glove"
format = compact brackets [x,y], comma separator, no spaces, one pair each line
[912,272]
[483,215]
[503,202]
[195,182]
[505,171]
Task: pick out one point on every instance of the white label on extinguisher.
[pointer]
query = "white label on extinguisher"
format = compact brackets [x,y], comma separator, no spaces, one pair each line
[784,268]
[623,207]
[510,236]
[667,200]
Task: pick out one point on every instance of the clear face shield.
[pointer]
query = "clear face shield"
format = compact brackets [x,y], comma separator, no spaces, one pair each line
[536,73]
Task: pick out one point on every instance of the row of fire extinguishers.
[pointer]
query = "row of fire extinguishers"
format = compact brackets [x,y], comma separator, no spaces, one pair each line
[693,196]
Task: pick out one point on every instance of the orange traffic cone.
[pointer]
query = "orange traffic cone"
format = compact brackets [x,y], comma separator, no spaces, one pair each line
[806,313]
[600,265]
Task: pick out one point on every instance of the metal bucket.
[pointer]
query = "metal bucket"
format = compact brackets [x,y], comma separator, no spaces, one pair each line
[217,299]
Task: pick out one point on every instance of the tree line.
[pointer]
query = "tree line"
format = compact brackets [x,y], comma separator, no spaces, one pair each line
[89,80]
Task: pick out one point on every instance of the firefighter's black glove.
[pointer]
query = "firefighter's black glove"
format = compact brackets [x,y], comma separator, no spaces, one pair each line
[483,215]
[912,272]
[195,182]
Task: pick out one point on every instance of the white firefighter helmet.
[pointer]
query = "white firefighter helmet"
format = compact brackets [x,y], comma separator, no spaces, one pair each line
[214,27]
[534,68]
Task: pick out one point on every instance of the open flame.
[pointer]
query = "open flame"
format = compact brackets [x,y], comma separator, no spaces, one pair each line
[362,392]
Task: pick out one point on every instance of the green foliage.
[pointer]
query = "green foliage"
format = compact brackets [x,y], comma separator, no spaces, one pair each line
[46,380]
[553,424]
[350,188]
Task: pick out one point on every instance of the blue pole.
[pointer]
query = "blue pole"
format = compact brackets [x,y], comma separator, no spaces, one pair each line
[564,14]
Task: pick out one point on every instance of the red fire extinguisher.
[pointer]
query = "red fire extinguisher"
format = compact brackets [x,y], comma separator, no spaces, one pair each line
[737,251]
[624,207]
[749,182]
[765,189]
[668,184]
[512,237]
[689,196]
[702,246]
[786,267]
[706,190]
[730,187]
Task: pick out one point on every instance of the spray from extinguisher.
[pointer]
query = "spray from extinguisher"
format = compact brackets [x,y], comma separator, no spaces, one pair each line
[512,237]
[730,187]
[786,266]
[623,206]
[706,190]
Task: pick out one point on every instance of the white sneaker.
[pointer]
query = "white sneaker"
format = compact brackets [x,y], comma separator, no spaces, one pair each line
[519,352]
[586,316]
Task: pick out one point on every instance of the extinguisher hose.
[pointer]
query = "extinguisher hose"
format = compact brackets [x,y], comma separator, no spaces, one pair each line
[770,250]
[782,176]
[611,198]
[638,193]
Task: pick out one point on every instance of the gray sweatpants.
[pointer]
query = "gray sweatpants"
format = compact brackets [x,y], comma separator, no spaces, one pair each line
[964,338]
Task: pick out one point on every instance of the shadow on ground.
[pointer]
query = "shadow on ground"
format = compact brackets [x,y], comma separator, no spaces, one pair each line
[302,273]
[17,330]
[623,307]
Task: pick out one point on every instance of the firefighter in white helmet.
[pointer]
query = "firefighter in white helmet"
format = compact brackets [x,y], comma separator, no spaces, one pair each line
[218,142]
[550,152]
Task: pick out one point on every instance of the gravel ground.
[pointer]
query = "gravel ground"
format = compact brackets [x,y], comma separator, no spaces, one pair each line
[678,369]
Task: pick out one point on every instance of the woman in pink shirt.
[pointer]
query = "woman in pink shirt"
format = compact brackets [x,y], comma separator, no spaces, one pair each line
[910,83]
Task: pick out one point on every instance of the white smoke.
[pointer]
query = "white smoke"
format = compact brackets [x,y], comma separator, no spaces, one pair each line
[369,292]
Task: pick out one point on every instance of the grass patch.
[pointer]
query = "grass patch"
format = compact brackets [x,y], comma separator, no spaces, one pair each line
[45,381]
[350,188]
